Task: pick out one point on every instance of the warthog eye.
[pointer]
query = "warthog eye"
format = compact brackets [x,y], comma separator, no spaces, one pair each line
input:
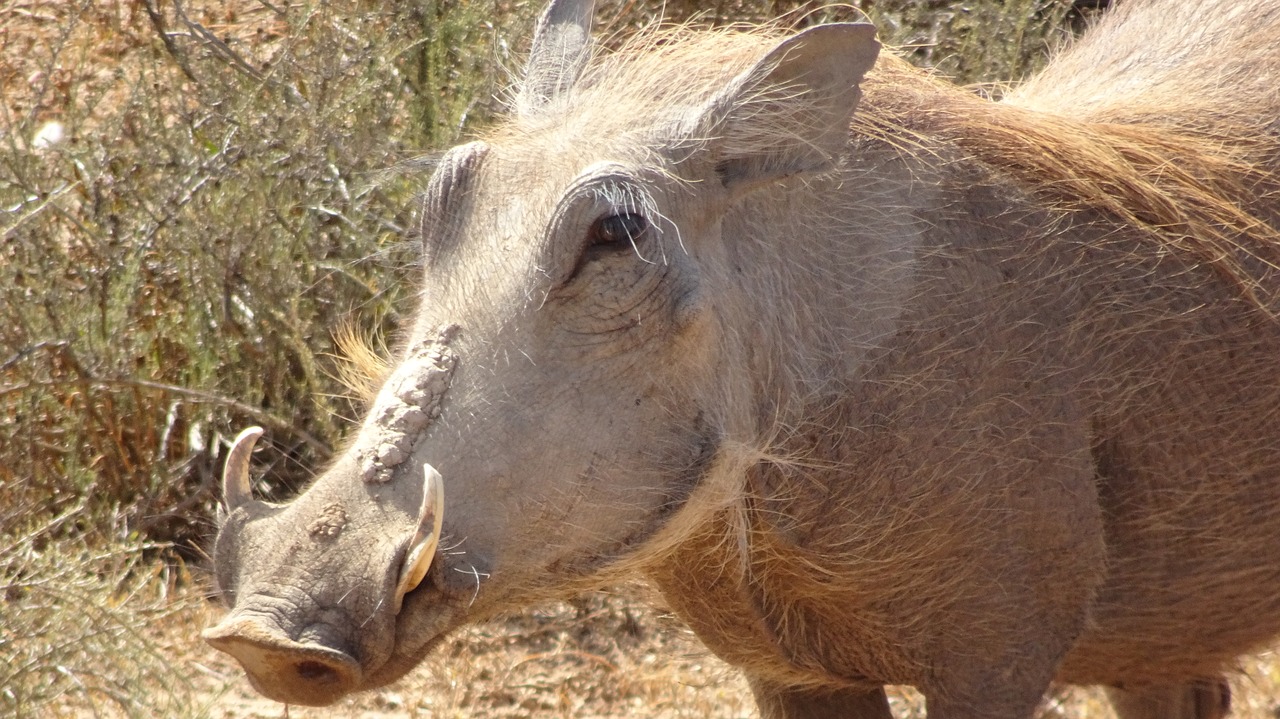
[624,229]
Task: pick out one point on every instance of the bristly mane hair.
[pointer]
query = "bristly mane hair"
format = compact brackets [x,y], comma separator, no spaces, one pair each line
[1179,158]
[1189,175]
[1193,188]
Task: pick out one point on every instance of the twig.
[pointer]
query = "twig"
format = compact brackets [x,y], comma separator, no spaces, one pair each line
[220,48]
[29,350]
[556,656]
[258,415]
[278,11]
[157,22]
[47,201]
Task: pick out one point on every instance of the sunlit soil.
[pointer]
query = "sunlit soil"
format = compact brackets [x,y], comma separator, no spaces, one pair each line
[606,655]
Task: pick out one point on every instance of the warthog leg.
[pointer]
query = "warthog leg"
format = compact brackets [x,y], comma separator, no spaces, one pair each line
[1207,699]
[807,703]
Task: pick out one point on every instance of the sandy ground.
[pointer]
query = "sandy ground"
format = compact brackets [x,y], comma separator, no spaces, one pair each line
[603,655]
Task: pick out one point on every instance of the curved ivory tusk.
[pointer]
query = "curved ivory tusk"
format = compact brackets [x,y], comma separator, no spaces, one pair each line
[422,547]
[235,474]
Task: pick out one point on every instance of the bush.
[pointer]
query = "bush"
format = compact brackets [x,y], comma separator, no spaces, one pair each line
[177,266]
[81,624]
[225,197]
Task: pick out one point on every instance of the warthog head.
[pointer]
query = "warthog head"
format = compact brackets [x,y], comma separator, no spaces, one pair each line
[584,354]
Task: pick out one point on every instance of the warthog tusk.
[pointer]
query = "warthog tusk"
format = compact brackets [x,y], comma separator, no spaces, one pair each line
[422,547]
[235,474]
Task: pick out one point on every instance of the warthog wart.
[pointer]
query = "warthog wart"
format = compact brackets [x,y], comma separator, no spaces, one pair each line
[878,381]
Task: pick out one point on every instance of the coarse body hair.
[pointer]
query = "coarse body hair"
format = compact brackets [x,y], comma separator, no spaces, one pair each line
[1006,359]
[1090,339]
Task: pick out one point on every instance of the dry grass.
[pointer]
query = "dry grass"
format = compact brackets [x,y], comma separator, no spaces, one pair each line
[598,656]
[89,630]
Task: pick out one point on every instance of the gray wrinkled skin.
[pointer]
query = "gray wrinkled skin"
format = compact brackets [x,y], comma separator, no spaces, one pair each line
[353,536]
[406,405]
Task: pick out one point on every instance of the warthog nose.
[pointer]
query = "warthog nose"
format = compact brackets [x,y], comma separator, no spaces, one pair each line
[305,672]
[311,670]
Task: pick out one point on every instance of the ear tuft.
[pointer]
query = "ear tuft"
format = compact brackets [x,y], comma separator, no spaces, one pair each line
[561,46]
[789,114]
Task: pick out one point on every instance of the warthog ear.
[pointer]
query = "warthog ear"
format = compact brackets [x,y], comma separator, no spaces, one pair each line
[452,180]
[790,113]
[561,45]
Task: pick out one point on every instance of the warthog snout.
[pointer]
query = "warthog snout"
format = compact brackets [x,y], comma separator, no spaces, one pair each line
[298,643]
[315,671]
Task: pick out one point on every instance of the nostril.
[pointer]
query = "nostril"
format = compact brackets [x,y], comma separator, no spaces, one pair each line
[315,671]
[289,671]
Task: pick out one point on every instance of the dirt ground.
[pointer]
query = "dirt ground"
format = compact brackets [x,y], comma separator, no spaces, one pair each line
[605,655]
[608,654]
[601,656]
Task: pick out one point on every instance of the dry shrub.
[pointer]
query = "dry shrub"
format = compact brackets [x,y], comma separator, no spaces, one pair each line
[175,266]
[81,628]
[988,41]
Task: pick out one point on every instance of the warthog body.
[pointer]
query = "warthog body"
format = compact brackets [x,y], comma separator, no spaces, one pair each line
[973,396]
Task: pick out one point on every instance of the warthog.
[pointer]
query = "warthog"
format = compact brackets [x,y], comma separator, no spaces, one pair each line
[876,380]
